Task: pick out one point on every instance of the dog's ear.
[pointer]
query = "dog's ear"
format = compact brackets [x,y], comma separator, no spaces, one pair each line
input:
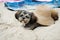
[17,14]
[33,18]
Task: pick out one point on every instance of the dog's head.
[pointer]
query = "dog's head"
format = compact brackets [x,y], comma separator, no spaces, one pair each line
[23,16]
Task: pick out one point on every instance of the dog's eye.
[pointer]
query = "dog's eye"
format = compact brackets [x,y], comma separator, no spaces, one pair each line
[25,13]
[21,15]
[27,17]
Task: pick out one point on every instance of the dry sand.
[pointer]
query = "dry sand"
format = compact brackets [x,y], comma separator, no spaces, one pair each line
[11,29]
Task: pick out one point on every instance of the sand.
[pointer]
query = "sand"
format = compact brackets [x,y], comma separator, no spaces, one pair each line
[11,29]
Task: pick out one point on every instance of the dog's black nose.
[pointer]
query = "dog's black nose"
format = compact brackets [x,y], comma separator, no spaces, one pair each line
[23,18]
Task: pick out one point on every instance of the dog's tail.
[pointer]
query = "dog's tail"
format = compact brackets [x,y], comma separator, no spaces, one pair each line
[54,15]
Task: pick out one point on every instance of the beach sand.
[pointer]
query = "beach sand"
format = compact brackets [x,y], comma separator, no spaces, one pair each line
[11,29]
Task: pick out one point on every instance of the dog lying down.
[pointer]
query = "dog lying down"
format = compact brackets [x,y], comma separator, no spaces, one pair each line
[42,16]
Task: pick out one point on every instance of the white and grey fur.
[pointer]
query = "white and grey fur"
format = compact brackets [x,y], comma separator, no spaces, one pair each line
[29,19]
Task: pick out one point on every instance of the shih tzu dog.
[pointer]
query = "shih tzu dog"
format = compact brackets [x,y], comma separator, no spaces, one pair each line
[27,18]
[42,16]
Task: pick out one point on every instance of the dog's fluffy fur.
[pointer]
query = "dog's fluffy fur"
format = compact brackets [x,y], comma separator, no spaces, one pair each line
[46,15]
[42,16]
[27,18]
[23,16]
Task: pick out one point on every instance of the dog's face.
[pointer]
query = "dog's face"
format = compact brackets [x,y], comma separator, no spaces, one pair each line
[23,16]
